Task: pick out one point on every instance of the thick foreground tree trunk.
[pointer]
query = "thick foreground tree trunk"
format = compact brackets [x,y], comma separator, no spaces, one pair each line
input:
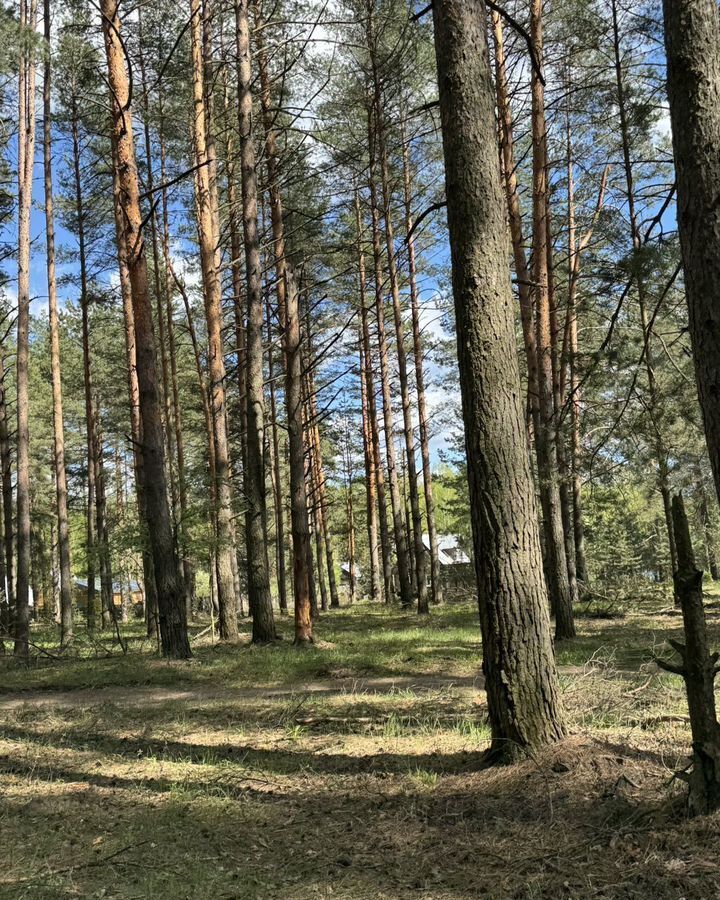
[171,604]
[692,42]
[520,675]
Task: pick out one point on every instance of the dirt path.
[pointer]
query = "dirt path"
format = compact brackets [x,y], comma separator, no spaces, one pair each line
[139,696]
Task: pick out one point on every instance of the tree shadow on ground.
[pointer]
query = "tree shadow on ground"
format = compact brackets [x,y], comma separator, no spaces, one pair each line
[568,823]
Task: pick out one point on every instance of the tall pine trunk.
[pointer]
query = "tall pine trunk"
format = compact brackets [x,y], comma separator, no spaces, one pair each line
[520,675]
[401,547]
[275,473]
[416,562]
[208,229]
[320,479]
[374,486]
[692,41]
[90,530]
[255,516]
[546,438]
[435,580]
[7,494]
[171,606]
[26,161]
[61,490]
[187,565]
[151,599]
[101,529]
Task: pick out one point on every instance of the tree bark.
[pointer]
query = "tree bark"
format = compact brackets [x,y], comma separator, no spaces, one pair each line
[275,475]
[525,284]
[378,588]
[571,364]
[90,548]
[101,530]
[208,228]
[7,494]
[705,522]
[546,438]
[520,675]
[187,565]
[26,161]
[401,547]
[255,516]
[151,600]
[61,490]
[522,270]
[435,579]
[699,669]
[692,41]
[171,606]
[418,560]
[320,482]
[289,319]
[350,511]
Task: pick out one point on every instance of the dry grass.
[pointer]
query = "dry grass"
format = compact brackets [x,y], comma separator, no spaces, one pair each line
[355,788]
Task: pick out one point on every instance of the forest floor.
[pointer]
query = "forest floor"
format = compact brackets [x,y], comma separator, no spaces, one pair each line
[350,770]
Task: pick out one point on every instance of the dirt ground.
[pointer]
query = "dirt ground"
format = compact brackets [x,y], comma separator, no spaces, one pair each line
[354,784]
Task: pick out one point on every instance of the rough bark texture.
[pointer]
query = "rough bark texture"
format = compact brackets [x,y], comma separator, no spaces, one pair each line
[692,41]
[521,679]
[171,606]
[26,160]
[61,491]
[255,516]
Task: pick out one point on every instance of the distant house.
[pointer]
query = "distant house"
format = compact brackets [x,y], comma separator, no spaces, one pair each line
[131,590]
[456,569]
[345,572]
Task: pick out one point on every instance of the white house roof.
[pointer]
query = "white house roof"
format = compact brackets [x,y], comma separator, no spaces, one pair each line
[450,552]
